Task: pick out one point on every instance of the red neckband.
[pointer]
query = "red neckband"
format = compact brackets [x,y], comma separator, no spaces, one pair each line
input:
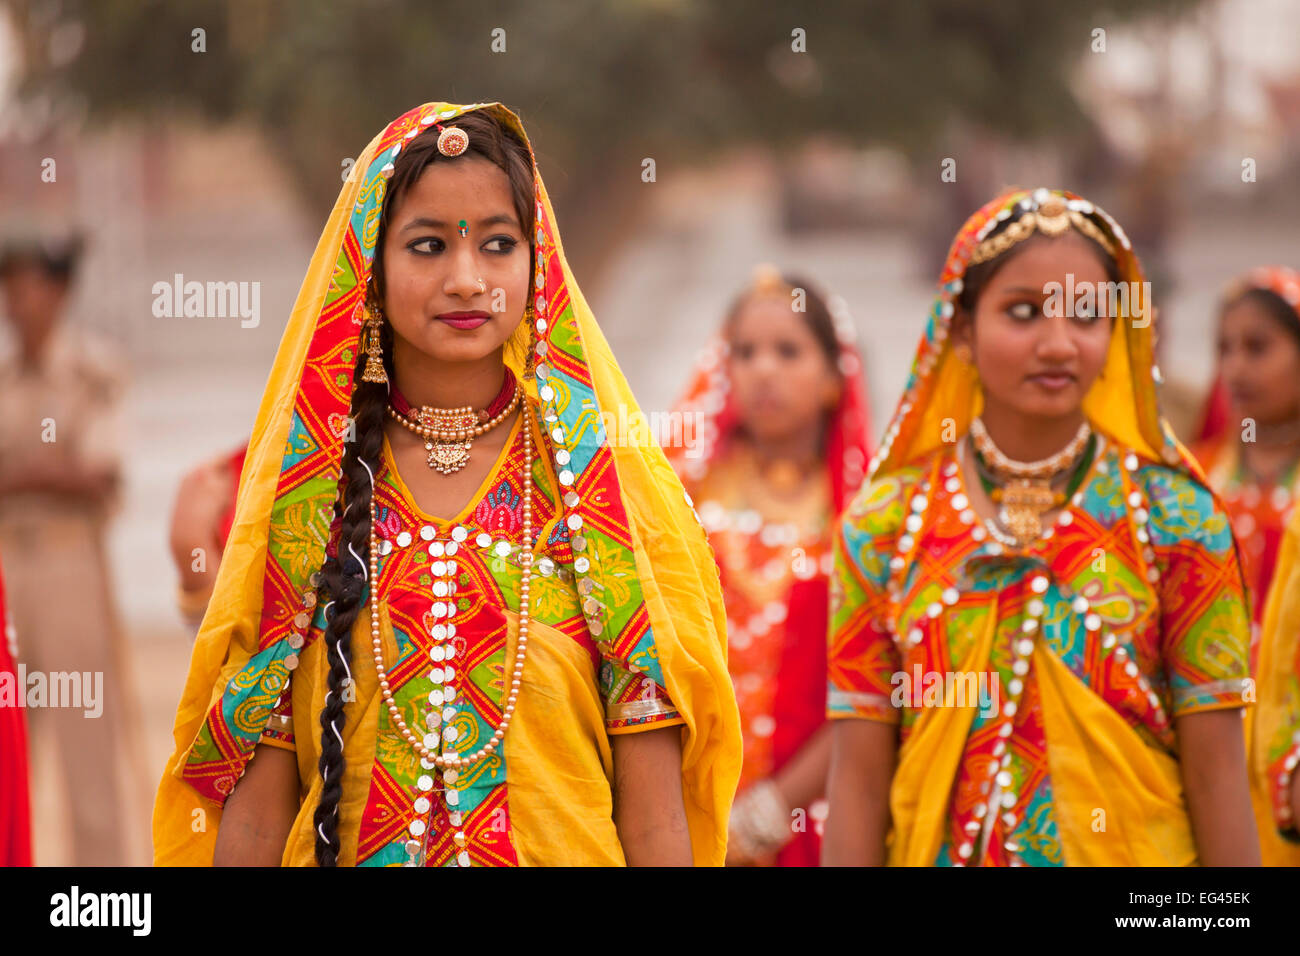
[497,405]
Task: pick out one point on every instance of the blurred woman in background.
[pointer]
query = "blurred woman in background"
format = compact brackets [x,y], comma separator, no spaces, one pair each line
[1249,444]
[779,412]
[1249,439]
[1273,725]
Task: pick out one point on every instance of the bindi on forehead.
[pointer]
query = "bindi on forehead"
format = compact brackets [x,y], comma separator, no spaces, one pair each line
[767,312]
[431,222]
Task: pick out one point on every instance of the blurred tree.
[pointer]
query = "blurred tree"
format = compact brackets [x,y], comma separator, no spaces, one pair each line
[601,86]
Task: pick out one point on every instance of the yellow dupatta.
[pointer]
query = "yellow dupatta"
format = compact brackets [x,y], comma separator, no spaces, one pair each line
[644,540]
[1277,708]
[1098,762]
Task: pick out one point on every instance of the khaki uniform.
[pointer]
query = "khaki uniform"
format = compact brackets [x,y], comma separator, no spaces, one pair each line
[53,548]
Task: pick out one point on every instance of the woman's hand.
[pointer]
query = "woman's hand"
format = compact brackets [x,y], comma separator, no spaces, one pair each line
[735,855]
[201,500]
[760,824]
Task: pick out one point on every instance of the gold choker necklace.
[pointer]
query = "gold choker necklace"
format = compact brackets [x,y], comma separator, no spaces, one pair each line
[1026,491]
[449,433]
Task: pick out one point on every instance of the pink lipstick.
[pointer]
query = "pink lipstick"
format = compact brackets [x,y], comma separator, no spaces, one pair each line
[1052,381]
[463,320]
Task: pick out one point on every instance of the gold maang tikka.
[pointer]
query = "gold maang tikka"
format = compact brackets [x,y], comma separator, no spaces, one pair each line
[452,140]
[767,280]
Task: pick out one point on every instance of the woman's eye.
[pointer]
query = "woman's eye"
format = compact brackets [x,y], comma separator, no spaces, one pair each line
[426,246]
[1023,310]
[500,244]
[788,350]
[744,352]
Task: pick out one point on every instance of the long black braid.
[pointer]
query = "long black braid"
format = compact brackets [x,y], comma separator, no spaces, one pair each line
[343,580]
[343,576]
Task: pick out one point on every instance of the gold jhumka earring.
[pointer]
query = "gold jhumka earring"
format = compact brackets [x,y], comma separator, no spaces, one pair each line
[530,362]
[370,334]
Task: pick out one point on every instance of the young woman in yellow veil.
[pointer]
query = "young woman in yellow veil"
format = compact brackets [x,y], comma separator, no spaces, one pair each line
[456,621]
[1038,648]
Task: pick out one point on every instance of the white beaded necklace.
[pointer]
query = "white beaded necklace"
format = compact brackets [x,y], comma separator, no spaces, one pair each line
[1001,796]
[450,765]
[1043,468]
[526,556]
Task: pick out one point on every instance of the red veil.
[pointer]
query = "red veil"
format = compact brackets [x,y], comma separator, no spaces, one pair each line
[234,462]
[15,811]
[800,699]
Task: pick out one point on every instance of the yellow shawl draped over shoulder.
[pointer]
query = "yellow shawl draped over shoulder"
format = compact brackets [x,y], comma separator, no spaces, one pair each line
[1273,724]
[1097,759]
[624,499]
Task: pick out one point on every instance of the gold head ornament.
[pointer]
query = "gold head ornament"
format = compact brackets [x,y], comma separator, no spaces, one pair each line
[767,280]
[452,141]
[1047,214]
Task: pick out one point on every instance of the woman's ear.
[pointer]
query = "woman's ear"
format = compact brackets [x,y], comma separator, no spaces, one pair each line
[834,391]
[962,326]
[962,335]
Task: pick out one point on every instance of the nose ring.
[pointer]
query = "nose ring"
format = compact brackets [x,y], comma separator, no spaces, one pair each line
[482,286]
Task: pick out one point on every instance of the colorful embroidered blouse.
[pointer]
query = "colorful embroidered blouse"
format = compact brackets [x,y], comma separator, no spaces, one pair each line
[761,554]
[1136,590]
[463,575]
[774,559]
[1259,514]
